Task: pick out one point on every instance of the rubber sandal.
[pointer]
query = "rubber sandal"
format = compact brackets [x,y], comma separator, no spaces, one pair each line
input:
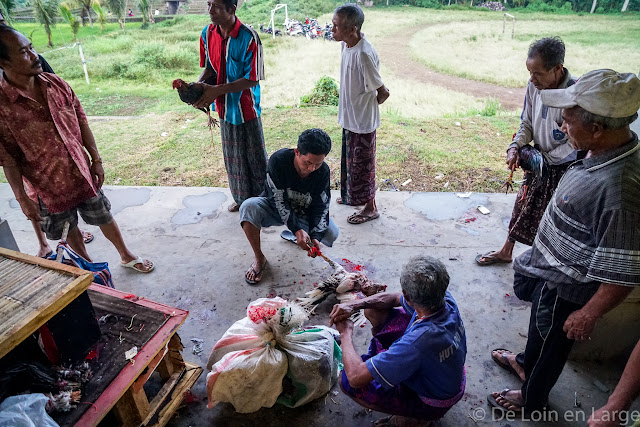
[488,259]
[47,255]
[132,264]
[503,362]
[493,402]
[257,274]
[87,237]
[289,236]
[359,218]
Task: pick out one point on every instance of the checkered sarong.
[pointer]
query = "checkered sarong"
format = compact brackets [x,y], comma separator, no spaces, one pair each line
[245,158]
[358,167]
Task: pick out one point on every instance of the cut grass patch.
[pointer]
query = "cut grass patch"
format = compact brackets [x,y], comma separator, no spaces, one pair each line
[470,157]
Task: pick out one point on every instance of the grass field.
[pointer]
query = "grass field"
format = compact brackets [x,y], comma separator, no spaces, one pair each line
[427,130]
[468,154]
[478,49]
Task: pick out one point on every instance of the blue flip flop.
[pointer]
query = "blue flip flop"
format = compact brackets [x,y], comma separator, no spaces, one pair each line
[288,235]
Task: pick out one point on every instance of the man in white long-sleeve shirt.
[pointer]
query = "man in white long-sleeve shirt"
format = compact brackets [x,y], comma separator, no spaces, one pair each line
[540,125]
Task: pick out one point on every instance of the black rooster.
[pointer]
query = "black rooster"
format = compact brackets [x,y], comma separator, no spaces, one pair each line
[532,162]
[189,93]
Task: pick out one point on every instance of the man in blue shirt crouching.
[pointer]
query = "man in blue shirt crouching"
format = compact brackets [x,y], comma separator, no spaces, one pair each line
[414,369]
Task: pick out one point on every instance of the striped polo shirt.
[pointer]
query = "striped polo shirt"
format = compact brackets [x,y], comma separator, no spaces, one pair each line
[590,232]
[237,56]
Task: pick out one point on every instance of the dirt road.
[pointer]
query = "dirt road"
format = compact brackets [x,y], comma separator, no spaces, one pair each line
[395,53]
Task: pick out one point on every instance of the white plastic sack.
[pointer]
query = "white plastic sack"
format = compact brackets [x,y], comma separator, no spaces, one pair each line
[25,410]
[249,379]
[250,361]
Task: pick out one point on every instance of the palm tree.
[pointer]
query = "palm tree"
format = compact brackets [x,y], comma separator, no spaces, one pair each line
[67,15]
[145,9]
[6,6]
[102,17]
[46,12]
[117,8]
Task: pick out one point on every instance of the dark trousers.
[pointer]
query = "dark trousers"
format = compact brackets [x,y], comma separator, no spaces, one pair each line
[547,347]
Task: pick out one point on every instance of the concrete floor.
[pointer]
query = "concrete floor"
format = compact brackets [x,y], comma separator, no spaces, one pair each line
[201,255]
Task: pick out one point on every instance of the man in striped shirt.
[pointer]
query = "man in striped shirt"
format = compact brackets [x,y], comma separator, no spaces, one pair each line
[231,54]
[585,259]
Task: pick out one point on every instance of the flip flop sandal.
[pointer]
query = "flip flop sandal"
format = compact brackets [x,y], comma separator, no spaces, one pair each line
[503,362]
[289,236]
[493,402]
[488,259]
[132,264]
[358,218]
[257,274]
[87,237]
[47,255]
[384,422]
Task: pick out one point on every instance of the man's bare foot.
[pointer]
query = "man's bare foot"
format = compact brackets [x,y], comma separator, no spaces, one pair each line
[233,207]
[508,358]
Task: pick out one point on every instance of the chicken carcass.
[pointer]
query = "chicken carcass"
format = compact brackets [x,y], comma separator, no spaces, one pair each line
[346,287]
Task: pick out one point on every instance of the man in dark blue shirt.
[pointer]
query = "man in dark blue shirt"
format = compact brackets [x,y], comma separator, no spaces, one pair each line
[297,194]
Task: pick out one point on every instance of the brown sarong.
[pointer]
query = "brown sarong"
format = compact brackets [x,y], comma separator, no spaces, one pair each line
[527,213]
[358,167]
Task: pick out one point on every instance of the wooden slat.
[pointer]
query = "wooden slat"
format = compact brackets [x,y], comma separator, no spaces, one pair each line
[192,374]
[32,291]
[114,392]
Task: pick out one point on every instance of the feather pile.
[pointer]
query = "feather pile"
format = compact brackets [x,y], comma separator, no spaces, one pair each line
[70,382]
[346,287]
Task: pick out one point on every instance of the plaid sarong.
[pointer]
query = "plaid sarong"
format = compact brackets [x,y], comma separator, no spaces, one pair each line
[358,167]
[245,158]
[527,213]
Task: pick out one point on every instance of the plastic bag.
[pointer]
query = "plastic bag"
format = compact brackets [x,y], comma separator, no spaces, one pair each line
[315,360]
[249,363]
[249,379]
[26,410]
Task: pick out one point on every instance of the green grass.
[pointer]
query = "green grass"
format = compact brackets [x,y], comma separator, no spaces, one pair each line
[478,49]
[426,130]
[471,156]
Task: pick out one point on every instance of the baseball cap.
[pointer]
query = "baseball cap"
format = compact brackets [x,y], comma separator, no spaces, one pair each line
[606,93]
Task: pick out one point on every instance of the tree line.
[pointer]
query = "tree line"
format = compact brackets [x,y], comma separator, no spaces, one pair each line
[553,6]
[47,12]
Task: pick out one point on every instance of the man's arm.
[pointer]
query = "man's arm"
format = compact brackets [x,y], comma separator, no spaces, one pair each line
[318,210]
[525,132]
[357,372]
[211,92]
[626,391]
[207,73]
[580,323]
[28,206]
[89,142]
[381,301]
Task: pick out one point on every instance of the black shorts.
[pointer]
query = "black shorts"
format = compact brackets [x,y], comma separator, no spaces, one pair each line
[94,211]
